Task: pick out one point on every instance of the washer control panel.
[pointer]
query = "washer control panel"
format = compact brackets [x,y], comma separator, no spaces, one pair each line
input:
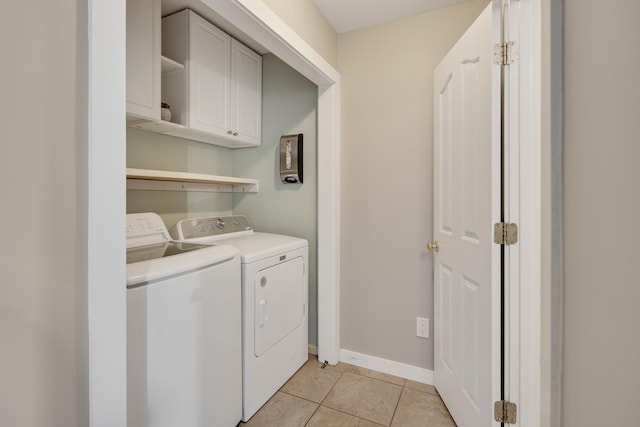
[145,229]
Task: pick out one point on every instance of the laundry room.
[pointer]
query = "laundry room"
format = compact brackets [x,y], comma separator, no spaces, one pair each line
[365,107]
[288,107]
[226,158]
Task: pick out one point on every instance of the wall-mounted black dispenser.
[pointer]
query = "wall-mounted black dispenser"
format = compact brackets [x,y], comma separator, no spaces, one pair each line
[291,158]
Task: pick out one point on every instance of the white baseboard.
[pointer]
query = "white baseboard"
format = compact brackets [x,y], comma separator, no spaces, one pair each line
[313,349]
[390,367]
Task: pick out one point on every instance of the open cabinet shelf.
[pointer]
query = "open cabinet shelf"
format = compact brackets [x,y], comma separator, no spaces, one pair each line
[147,179]
[168,65]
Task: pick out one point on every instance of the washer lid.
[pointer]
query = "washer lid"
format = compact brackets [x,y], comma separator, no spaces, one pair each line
[146,266]
[160,250]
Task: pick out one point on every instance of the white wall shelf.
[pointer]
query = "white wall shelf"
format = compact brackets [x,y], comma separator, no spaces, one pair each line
[147,179]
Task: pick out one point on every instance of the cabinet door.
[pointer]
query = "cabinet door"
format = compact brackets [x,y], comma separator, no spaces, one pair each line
[246,93]
[209,72]
[143,59]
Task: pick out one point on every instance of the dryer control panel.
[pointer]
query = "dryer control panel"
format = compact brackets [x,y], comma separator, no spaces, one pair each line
[208,227]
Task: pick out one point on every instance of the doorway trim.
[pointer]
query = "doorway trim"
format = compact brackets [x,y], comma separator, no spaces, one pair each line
[106,165]
[535,352]
[256,20]
[259,22]
[104,192]
[523,265]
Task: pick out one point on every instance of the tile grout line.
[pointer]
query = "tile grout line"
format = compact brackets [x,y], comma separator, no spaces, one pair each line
[367,377]
[395,410]
[321,404]
[325,396]
[338,410]
[341,371]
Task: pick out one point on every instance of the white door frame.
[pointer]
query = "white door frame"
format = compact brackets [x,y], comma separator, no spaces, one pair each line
[106,188]
[522,263]
[534,203]
[256,20]
[106,204]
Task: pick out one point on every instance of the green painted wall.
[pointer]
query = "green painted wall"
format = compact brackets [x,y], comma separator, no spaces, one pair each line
[289,103]
[148,150]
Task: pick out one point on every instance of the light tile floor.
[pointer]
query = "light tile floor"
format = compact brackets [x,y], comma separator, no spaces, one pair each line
[349,396]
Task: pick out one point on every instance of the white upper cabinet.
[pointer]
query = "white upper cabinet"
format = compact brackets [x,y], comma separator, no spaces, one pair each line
[143,59]
[208,68]
[219,92]
[246,92]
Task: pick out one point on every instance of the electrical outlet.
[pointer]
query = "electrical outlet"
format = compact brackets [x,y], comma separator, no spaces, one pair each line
[422,327]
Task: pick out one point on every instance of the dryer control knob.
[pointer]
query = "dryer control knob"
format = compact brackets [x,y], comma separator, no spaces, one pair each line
[220,223]
[263,281]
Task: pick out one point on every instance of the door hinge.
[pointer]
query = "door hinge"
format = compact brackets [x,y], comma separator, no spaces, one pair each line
[505,412]
[505,233]
[505,53]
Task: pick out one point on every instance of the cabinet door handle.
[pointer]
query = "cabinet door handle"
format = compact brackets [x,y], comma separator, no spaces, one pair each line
[235,134]
[230,132]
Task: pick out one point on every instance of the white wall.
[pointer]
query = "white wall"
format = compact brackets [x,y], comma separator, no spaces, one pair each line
[387,190]
[289,105]
[43,291]
[602,207]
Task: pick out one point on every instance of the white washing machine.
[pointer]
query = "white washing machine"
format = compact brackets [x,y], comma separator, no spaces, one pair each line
[184,337]
[274,301]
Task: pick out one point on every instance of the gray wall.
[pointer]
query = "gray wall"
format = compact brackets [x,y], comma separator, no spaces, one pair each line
[387,186]
[602,208]
[43,275]
[289,103]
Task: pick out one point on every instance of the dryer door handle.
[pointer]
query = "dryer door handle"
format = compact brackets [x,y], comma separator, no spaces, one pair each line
[263,315]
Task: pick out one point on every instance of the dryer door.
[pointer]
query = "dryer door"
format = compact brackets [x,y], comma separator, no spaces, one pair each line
[279,303]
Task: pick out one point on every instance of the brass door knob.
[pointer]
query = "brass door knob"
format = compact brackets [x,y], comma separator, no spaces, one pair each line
[433,246]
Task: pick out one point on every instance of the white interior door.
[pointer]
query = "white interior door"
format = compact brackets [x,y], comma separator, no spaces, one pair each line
[466,198]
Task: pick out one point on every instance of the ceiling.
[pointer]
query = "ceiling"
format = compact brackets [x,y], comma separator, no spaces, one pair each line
[349,15]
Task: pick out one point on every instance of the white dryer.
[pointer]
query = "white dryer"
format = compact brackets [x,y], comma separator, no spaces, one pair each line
[274,301]
[183,330]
